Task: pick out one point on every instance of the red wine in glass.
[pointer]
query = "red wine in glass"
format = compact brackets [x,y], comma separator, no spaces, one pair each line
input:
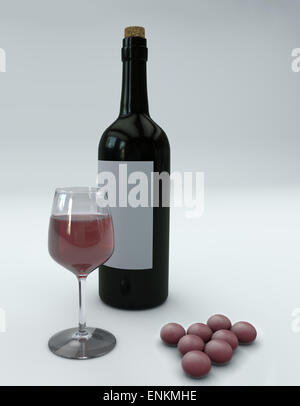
[81,242]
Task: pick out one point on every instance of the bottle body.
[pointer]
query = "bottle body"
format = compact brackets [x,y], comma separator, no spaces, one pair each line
[137,138]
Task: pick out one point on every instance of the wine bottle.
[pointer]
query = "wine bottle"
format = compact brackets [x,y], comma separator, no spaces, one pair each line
[136,276]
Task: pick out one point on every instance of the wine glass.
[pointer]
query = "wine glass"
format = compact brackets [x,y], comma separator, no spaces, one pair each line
[80,239]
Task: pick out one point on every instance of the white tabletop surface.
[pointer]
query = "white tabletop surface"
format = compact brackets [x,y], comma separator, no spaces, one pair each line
[241,259]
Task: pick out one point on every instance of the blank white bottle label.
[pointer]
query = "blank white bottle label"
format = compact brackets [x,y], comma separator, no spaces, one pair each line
[133,226]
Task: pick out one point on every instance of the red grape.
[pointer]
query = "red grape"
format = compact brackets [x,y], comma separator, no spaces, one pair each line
[228,336]
[202,330]
[219,322]
[245,332]
[171,333]
[219,351]
[190,343]
[196,363]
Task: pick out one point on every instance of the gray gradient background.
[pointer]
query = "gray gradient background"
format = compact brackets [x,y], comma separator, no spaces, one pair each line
[221,85]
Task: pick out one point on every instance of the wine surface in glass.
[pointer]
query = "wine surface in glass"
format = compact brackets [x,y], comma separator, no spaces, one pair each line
[81,242]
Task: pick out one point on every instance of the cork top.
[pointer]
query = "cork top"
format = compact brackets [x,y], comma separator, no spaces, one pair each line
[134,32]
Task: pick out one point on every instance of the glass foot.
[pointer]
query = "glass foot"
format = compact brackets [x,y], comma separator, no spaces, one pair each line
[70,344]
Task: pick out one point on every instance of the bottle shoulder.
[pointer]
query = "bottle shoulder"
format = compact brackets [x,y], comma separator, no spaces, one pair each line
[133,136]
[135,126]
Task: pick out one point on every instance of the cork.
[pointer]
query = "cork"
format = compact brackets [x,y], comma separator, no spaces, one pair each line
[134,32]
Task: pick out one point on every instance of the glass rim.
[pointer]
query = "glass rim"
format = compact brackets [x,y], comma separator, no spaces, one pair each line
[78,189]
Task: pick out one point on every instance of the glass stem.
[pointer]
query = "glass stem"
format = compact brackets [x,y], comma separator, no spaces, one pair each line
[82,306]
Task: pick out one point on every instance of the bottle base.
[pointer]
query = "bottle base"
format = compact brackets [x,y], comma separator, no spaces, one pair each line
[127,306]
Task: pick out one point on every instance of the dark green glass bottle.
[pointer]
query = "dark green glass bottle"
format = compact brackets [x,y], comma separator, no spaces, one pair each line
[136,276]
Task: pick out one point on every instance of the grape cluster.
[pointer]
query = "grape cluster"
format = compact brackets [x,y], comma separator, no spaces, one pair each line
[204,344]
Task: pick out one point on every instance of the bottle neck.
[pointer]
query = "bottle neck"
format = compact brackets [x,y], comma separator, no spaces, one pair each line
[134,98]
